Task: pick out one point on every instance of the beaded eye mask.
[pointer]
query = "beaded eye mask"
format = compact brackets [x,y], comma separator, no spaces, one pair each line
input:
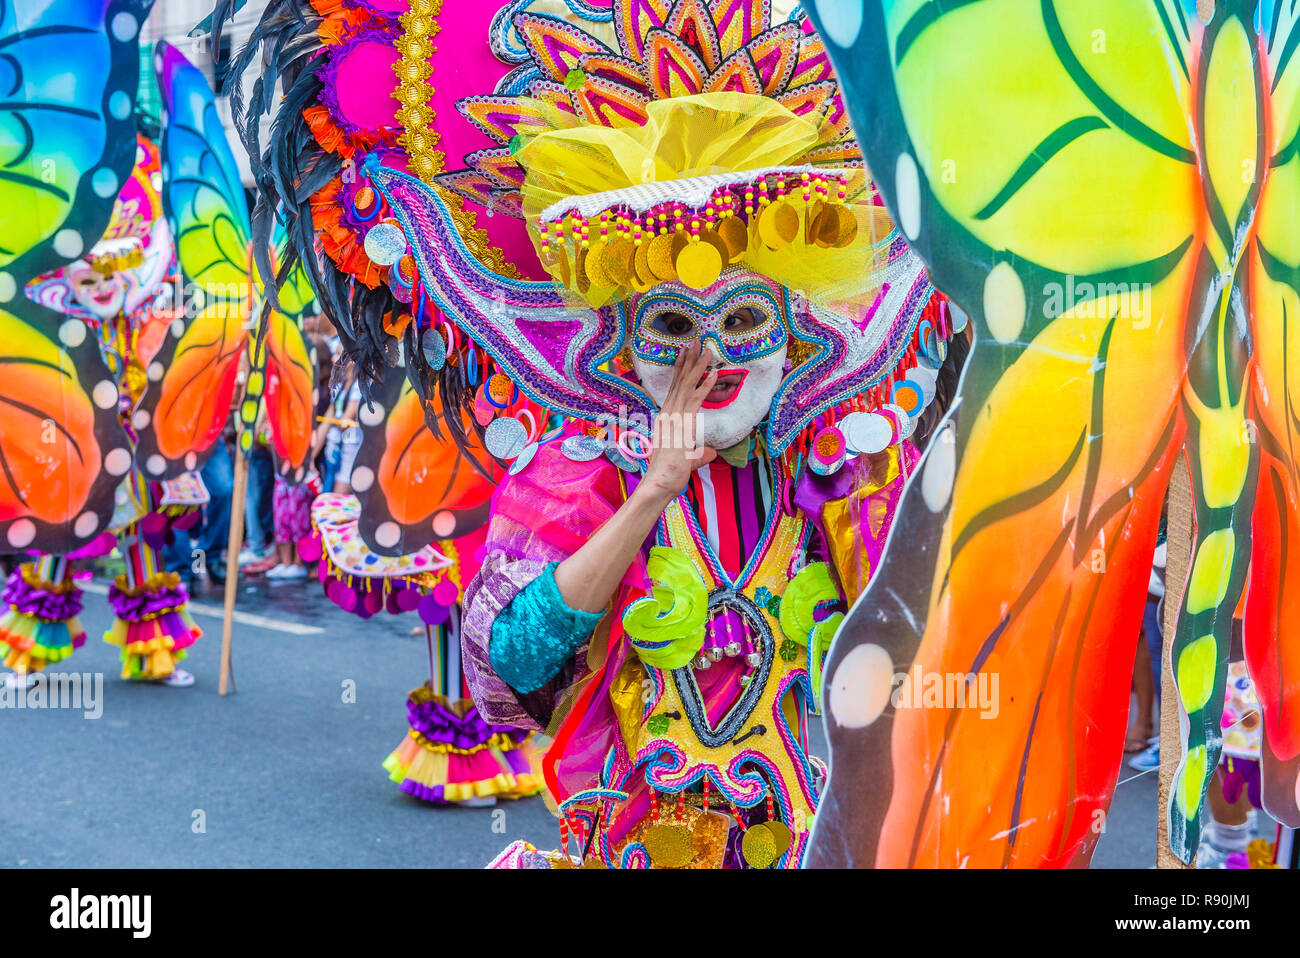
[743,315]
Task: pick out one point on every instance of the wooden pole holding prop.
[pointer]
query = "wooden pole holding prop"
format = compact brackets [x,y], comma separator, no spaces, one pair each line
[237,496]
[1180,526]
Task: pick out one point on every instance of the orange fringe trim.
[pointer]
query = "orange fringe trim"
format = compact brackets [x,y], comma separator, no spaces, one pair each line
[337,241]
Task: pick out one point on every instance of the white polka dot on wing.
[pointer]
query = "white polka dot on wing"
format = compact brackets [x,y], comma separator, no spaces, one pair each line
[68,243]
[22,532]
[907,195]
[444,523]
[1004,303]
[363,477]
[117,462]
[940,469]
[87,525]
[125,27]
[104,394]
[72,333]
[104,181]
[861,686]
[841,20]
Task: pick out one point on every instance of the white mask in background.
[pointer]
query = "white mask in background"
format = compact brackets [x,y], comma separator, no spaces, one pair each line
[103,296]
[742,320]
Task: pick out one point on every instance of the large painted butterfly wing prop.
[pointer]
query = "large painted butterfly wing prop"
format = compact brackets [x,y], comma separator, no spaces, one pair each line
[1084,180]
[63,450]
[288,361]
[192,379]
[69,69]
[1272,615]
[417,487]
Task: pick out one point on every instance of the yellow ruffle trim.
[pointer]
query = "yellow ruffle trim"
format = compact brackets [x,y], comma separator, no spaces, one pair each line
[156,665]
[22,661]
[149,659]
[155,583]
[25,660]
[24,654]
[411,762]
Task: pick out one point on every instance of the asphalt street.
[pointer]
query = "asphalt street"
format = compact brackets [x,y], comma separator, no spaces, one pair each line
[285,772]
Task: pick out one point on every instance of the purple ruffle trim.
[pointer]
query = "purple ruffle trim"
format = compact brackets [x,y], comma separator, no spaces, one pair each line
[440,724]
[39,604]
[137,608]
[328,74]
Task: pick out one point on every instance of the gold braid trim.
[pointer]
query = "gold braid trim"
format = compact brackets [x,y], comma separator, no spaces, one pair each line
[111,263]
[477,239]
[414,92]
[800,351]
[499,741]
[155,583]
[28,571]
[416,114]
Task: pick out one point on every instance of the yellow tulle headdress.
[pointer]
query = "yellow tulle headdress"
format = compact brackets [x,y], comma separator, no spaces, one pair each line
[705,139]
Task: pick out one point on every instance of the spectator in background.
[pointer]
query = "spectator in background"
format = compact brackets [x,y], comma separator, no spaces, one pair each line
[325,338]
[292,523]
[213,533]
[258,553]
[1144,737]
[341,436]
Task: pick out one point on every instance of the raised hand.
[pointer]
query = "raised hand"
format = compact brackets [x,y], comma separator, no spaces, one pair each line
[676,452]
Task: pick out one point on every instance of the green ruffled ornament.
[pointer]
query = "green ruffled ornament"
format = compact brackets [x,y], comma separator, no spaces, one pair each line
[667,627]
[812,586]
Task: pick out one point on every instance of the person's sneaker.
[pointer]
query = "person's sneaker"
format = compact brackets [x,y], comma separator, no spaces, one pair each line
[1148,758]
[478,801]
[249,556]
[277,571]
[179,679]
[18,680]
[294,571]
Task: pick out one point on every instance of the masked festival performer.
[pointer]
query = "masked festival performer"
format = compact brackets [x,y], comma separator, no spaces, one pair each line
[741,340]
[380,551]
[118,293]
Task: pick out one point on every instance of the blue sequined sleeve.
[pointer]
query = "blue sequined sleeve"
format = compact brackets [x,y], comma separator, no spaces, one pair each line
[537,633]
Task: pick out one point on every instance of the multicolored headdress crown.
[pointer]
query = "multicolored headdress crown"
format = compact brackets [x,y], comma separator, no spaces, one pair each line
[698,135]
[623,144]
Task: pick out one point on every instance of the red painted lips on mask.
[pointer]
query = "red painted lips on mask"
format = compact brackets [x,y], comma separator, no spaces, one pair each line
[725,389]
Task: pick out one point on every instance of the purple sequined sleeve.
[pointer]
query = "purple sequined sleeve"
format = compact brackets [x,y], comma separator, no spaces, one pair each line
[498,582]
[541,515]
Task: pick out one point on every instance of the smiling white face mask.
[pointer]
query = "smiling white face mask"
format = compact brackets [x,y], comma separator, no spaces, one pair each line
[102,296]
[741,319]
